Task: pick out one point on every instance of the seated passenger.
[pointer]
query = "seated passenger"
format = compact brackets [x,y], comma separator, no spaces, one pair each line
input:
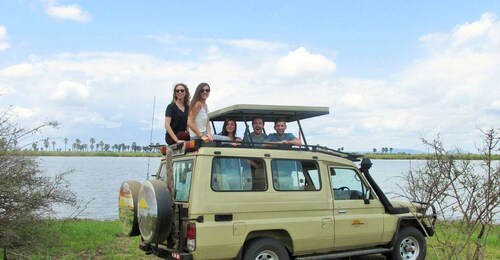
[258,136]
[229,130]
[280,137]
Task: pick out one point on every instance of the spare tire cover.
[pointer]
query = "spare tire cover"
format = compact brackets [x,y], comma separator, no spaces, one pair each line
[127,207]
[155,211]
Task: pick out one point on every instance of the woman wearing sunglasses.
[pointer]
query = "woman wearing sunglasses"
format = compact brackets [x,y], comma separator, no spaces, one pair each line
[198,121]
[176,115]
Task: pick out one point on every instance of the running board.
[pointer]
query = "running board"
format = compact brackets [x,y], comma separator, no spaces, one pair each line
[346,254]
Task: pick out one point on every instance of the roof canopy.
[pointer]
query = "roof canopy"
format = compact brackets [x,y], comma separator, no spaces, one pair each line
[269,113]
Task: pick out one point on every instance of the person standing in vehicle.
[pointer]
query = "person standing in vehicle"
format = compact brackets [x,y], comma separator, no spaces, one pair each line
[229,130]
[280,137]
[198,121]
[176,115]
[258,136]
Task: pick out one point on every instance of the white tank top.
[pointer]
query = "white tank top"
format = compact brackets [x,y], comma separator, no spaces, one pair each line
[200,121]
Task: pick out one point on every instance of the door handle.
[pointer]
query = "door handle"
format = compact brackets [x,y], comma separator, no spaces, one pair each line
[342,211]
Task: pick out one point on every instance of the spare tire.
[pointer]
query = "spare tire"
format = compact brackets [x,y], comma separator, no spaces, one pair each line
[127,207]
[155,212]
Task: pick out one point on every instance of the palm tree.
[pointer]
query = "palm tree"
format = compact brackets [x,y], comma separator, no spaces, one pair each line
[78,144]
[65,142]
[390,150]
[92,142]
[34,146]
[53,145]
[101,144]
[374,150]
[46,144]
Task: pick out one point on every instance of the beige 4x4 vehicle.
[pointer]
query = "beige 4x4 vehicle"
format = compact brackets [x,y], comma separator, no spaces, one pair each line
[216,201]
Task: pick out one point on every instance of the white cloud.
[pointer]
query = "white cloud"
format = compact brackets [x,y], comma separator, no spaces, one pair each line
[25,69]
[25,113]
[253,45]
[301,61]
[468,32]
[71,12]
[4,45]
[70,92]
[94,118]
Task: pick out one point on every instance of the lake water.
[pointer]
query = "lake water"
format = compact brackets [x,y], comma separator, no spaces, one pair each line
[96,180]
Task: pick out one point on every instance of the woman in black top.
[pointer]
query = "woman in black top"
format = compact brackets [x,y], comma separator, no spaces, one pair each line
[176,115]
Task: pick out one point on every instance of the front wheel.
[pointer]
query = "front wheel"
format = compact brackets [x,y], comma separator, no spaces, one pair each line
[410,245]
[265,248]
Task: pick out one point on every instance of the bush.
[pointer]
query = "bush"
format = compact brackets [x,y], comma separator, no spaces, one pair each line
[26,195]
[466,194]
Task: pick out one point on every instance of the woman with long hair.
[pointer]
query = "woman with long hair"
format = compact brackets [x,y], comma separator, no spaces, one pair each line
[229,130]
[198,121]
[176,115]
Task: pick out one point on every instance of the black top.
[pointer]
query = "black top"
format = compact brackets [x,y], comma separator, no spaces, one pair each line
[179,118]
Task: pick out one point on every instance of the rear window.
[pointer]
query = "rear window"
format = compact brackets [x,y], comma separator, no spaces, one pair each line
[182,178]
[238,174]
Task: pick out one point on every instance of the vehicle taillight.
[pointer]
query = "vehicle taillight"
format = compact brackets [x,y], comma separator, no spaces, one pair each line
[191,236]
[163,150]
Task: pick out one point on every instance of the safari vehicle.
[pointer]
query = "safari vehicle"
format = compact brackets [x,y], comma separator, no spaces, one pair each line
[219,201]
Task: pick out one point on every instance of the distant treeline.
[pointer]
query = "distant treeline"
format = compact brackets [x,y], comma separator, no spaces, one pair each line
[157,154]
[427,156]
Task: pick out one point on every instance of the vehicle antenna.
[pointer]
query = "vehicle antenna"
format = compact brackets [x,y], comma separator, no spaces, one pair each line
[151,136]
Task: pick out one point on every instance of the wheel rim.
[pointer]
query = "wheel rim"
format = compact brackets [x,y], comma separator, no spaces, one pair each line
[409,248]
[267,254]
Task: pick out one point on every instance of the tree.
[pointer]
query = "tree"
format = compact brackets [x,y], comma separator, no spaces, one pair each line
[53,145]
[78,144]
[374,150]
[465,193]
[46,144]
[101,144]
[92,142]
[26,196]
[65,143]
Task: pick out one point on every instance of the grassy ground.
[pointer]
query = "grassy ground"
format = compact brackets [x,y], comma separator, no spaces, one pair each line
[92,239]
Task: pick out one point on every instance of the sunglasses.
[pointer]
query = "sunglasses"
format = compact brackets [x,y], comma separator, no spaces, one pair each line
[207,90]
[179,91]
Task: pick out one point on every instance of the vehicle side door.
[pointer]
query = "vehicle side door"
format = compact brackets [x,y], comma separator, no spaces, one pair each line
[357,223]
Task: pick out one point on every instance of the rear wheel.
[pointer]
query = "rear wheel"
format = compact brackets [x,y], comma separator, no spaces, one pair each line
[410,245]
[265,249]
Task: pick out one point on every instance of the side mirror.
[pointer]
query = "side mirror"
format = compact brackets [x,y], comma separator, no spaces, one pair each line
[367,196]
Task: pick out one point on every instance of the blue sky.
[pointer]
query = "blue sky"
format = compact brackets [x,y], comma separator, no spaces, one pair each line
[391,72]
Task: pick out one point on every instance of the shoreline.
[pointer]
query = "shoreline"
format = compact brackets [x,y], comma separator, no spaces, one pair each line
[389,156]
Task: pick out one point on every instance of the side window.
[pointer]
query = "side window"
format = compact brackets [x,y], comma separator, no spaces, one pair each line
[295,175]
[347,184]
[182,179]
[238,174]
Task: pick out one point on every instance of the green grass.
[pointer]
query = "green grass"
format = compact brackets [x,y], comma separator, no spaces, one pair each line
[81,239]
[93,239]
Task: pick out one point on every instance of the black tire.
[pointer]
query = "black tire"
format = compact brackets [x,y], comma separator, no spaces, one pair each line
[155,211]
[409,245]
[265,249]
[127,208]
